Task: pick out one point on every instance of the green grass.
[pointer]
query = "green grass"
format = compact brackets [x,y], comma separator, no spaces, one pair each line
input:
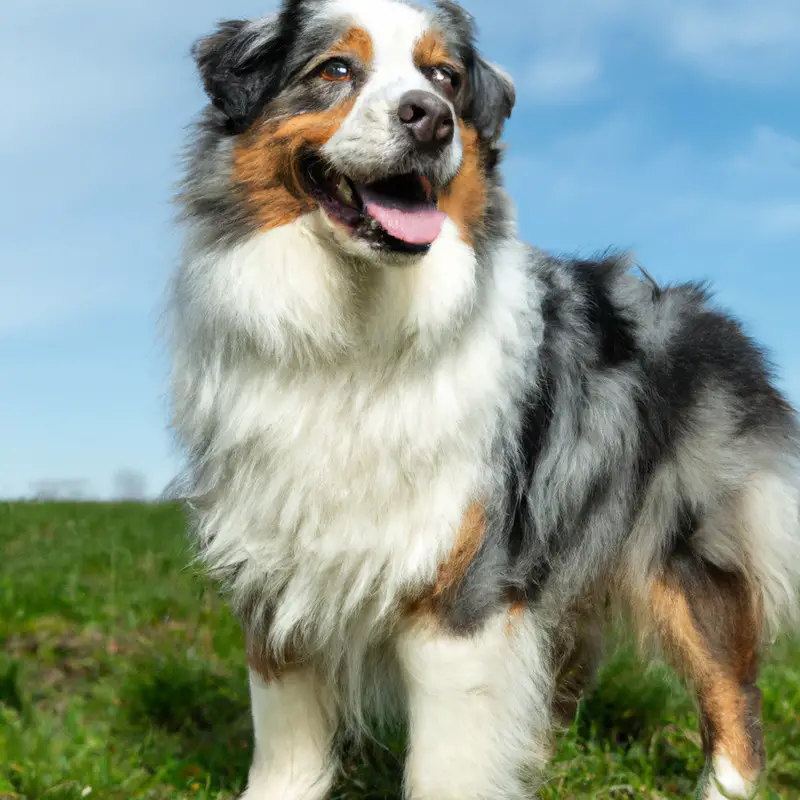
[122,676]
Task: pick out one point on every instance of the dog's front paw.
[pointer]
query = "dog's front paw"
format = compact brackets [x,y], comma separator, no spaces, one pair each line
[286,787]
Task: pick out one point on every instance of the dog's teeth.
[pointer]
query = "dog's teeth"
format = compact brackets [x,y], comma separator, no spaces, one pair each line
[345,192]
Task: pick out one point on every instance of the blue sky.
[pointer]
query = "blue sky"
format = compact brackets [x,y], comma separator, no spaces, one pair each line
[671,127]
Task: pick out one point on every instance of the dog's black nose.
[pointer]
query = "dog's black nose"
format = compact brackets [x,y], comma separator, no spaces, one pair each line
[428,117]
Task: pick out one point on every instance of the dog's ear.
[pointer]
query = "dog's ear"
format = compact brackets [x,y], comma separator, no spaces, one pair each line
[492,98]
[491,94]
[240,64]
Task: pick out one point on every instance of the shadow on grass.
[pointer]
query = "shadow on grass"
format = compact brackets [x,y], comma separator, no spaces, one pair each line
[627,703]
[645,717]
[200,714]
[373,770]
[11,693]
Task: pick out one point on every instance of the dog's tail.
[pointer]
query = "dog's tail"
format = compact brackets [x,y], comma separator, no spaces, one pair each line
[765,519]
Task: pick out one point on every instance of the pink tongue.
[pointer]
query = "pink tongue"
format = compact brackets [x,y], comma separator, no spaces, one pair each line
[420,225]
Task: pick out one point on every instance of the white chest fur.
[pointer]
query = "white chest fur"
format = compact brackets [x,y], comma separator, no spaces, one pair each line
[349,488]
[338,489]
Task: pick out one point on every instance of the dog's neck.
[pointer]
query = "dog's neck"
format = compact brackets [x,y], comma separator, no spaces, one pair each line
[292,292]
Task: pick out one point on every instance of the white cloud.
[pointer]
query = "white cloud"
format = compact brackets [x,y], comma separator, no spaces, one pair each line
[559,77]
[748,40]
[768,166]
[615,174]
[744,41]
[74,66]
[781,219]
[769,155]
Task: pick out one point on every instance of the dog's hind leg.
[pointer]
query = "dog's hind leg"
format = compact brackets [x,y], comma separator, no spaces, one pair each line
[709,622]
[577,654]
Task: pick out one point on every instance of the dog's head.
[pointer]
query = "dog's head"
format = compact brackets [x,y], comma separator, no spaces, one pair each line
[378,117]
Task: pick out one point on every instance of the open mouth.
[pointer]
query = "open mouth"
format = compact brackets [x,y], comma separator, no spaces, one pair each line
[398,213]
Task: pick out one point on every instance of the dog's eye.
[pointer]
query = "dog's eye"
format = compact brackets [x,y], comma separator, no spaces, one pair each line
[445,79]
[336,69]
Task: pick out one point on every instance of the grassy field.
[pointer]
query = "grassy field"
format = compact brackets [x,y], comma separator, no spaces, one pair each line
[121,676]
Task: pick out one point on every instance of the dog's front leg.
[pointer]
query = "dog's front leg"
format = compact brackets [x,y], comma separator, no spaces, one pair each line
[294,725]
[479,708]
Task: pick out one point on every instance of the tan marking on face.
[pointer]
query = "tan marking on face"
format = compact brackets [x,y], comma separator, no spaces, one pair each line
[465,199]
[267,158]
[720,686]
[431,51]
[356,42]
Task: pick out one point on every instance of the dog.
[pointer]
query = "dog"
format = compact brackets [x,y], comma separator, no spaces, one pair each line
[428,461]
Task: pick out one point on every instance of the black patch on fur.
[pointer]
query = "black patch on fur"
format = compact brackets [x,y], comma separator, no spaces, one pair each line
[723,353]
[481,591]
[237,77]
[614,332]
[686,526]
[537,410]
[671,380]
[244,65]
[492,99]
[706,349]
[537,416]
[539,552]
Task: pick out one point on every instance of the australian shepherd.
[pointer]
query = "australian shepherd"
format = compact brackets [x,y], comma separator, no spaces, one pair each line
[429,461]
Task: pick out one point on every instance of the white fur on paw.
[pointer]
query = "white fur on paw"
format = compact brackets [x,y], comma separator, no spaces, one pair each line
[287,786]
[725,782]
[280,792]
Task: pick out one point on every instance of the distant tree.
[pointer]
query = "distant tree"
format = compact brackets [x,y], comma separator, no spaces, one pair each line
[130,486]
[55,490]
